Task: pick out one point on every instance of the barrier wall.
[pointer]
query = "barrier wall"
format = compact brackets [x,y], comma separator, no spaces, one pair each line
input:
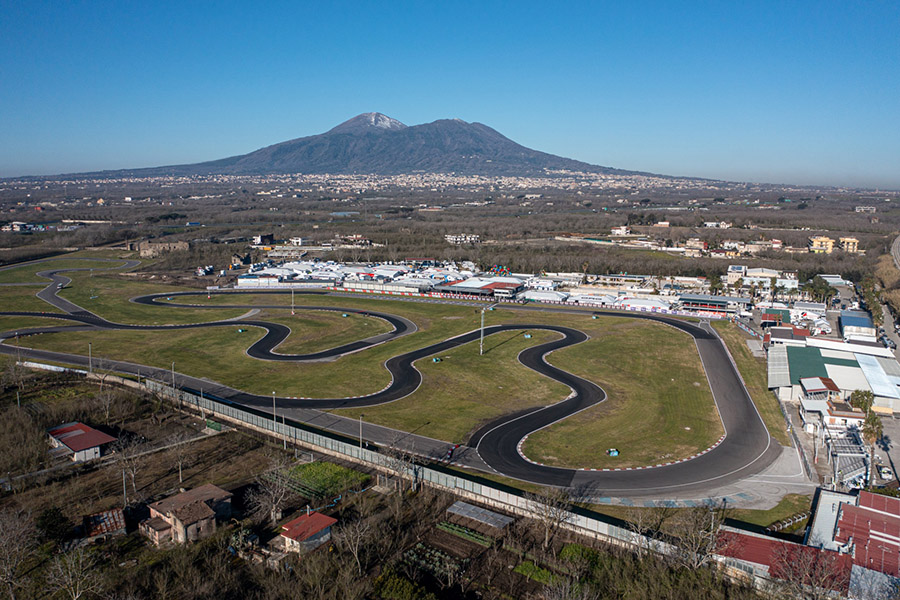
[580,522]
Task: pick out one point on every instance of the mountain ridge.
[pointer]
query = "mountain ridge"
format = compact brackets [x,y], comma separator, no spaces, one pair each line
[373,143]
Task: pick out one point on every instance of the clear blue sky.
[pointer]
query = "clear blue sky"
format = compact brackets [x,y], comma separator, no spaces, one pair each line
[801,92]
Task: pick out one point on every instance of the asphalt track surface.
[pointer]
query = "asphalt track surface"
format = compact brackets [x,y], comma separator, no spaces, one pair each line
[745,450]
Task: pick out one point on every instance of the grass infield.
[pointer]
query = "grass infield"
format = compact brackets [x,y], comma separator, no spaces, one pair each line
[660,407]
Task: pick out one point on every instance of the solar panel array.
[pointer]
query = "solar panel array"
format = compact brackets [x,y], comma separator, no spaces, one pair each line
[482,515]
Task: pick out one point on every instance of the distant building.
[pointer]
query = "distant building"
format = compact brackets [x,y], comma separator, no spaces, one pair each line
[307,532]
[865,209]
[717,224]
[237,259]
[83,442]
[849,244]
[463,238]
[820,244]
[188,516]
[296,241]
[696,244]
[623,230]
[265,238]
[154,249]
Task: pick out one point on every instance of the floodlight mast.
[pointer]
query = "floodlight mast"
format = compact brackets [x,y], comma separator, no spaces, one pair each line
[481,341]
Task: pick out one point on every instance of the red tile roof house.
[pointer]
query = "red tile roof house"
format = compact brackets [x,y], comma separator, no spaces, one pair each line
[84,442]
[307,532]
[188,516]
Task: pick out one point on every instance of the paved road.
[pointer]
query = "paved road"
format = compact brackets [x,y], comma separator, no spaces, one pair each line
[746,449]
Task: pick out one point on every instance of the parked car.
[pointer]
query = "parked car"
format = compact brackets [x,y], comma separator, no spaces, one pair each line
[885,473]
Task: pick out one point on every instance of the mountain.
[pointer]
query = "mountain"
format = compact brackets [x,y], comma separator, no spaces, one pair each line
[377,144]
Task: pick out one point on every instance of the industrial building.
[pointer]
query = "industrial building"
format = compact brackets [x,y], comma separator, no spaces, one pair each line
[848,366]
[857,326]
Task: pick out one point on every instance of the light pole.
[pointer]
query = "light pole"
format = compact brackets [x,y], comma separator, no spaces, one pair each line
[360,430]
[481,340]
[174,395]
[292,301]
[90,358]
[274,417]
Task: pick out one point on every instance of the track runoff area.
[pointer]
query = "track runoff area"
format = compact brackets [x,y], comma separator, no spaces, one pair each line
[745,449]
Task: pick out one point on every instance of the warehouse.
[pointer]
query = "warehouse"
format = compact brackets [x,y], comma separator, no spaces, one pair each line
[857,326]
[849,367]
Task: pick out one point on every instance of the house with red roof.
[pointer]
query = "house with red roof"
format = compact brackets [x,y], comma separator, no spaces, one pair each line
[84,443]
[307,532]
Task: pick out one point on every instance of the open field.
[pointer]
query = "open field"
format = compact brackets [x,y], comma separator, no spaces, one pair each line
[108,297]
[15,298]
[467,390]
[659,406]
[316,331]
[27,273]
[13,323]
[753,370]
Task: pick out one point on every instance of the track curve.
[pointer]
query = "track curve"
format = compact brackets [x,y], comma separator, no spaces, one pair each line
[745,450]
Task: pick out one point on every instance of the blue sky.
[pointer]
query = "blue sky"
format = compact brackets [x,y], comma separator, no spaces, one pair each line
[800,92]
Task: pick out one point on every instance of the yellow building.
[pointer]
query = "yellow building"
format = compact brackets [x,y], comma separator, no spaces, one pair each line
[849,244]
[821,244]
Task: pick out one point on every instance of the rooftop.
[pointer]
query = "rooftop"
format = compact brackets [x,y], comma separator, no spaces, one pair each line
[307,525]
[179,502]
[78,436]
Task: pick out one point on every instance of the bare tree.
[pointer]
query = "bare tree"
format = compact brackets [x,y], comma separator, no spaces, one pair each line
[552,511]
[130,452]
[180,452]
[353,537]
[564,588]
[74,574]
[647,524]
[696,531]
[273,491]
[808,573]
[17,544]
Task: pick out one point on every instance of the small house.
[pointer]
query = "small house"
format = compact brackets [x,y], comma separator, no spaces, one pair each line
[188,516]
[307,532]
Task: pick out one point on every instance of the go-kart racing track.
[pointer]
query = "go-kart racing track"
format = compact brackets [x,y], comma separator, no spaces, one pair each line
[745,450]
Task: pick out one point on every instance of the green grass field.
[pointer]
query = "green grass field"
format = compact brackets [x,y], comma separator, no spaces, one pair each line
[754,372]
[15,298]
[466,390]
[659,409]
[14,323]
[109,296]
[316,331]
[27,273]
[648,397]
